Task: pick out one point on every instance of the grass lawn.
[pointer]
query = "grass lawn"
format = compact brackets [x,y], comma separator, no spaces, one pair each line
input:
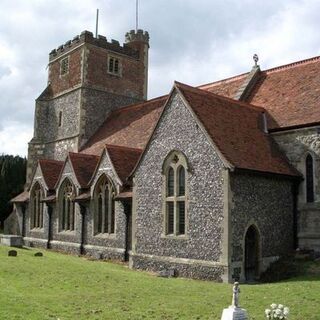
[58,286]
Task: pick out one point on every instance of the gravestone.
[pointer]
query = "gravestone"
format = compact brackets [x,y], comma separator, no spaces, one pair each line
[12,253]
[167,273]
[234,312]
[38,254]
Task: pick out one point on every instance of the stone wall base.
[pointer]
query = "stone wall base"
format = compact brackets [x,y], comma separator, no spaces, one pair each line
[35,242]
[182,267]
[104,253]
[68,247]
[11,240]
[309,242]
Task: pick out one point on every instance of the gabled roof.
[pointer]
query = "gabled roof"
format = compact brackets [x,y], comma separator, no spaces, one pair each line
[226,87]
[123,159]
[127,127]
[83,167]
[21,198]
[290,93]
[51,171]
[236,128]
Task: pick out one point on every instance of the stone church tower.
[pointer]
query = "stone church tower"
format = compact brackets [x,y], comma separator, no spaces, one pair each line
[88,78]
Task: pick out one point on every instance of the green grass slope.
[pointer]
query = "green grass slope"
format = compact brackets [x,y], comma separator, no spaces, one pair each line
[58,286]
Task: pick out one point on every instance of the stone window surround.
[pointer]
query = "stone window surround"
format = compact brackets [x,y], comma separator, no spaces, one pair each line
[182,162]
[60,119]
[104,179]
[64,66]
[61,198]
[36,216]
[308,154]
[115,59]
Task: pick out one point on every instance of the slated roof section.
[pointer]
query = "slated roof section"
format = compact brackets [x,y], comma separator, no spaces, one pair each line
[123,159]
[127,127]
[290,93]
[236,129]
[51,171]
[83,166]
[20,198]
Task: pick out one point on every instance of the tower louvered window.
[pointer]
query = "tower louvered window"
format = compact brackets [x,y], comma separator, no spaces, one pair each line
[105,214]
[175,199]
[114,66]
[64,66]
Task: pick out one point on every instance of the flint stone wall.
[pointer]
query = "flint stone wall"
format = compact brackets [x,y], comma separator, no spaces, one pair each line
[110,246]
[297,144]
[267,203]
[47,117]
[178,130]
[96,105]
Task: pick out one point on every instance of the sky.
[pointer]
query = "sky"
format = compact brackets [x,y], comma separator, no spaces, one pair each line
[191,41]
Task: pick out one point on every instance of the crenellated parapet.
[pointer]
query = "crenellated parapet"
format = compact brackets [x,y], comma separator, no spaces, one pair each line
[138,35]
[100,41]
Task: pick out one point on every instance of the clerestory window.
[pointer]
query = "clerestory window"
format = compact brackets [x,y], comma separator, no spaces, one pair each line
[175,174]
[104,207]
[67,210]
[36,206]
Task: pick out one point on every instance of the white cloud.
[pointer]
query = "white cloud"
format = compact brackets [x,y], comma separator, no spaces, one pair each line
[191,41]
[14,137]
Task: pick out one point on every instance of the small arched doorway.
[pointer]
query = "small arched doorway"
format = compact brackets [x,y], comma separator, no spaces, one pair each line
[252,254]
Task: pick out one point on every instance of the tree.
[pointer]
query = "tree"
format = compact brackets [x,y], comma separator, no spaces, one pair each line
[12,180]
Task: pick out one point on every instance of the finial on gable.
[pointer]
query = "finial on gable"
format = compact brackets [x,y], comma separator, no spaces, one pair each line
[255,59]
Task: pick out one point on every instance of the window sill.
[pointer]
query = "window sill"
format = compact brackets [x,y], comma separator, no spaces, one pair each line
[37,229]
[68,232]
[176,237]
[105,235]
[119,75]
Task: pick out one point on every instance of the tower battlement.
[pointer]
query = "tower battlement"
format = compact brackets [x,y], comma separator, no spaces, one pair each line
[140,35]
[102,42]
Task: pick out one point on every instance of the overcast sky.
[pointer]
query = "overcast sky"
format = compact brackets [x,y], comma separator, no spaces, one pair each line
[192,41]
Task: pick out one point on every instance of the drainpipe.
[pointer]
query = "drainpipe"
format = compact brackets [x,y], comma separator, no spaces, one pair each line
[82,235]
[295,187]
[49,225]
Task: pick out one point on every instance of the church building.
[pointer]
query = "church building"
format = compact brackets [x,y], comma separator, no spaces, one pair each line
[210,182]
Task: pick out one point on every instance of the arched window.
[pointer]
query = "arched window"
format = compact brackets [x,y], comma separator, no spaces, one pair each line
[104,220]
[36,206]
[67,195]
[309,179]
[175,200]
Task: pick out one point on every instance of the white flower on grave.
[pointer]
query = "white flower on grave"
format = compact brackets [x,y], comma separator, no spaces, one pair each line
[273,306]
[280,306]
[286,311]
[267,312]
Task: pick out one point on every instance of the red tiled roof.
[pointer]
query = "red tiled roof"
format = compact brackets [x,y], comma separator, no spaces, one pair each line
[51,171]
[235,128]
[290,93]
[20,198]
[227,87]
[83,166]
[128,127]
[123,159]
